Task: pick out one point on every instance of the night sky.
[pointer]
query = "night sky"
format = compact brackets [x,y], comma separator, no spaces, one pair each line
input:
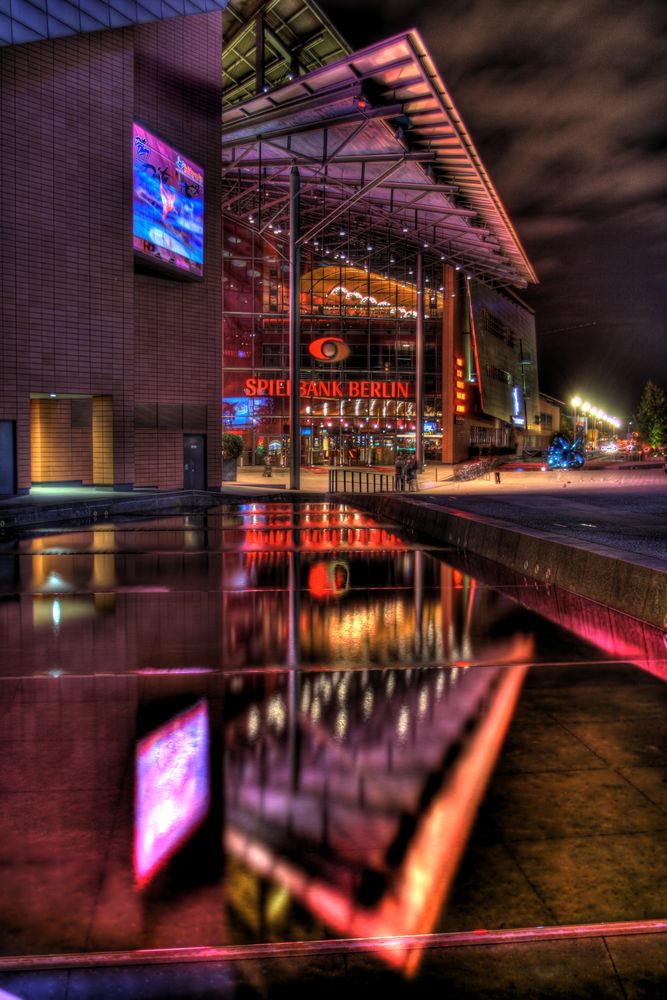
[566,102]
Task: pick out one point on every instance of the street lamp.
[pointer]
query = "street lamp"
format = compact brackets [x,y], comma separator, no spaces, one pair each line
[585,409]
[576,403]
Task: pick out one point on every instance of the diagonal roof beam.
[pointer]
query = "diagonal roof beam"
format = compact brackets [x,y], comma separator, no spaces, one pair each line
[373,114]
[349,202]
[344,142]
[239,196]
[302,160]
[230,165]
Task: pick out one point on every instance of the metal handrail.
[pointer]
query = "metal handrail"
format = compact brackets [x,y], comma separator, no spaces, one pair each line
[361,481]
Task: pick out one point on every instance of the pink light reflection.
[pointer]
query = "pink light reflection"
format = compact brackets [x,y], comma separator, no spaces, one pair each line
[172,789]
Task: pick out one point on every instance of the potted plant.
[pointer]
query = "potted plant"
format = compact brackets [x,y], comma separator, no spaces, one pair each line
[232,447]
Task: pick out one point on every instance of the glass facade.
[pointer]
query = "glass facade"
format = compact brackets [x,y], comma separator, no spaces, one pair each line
[358,356]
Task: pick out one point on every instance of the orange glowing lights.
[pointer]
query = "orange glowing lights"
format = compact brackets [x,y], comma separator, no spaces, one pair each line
[459,387]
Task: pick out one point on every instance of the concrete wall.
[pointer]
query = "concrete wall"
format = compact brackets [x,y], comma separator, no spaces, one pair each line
[584,569]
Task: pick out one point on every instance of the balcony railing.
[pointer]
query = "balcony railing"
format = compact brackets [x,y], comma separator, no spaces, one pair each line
[360,481]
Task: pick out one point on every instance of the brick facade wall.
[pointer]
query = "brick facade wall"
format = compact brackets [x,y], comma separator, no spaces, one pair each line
[74,316]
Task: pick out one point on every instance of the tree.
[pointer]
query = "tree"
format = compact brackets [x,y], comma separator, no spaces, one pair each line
[651,415]
[232,445]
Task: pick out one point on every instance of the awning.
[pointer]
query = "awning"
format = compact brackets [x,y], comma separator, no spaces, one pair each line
[387,167]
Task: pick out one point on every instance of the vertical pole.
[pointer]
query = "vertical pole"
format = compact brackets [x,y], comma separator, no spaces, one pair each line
[294,330]
[419,388]
[294,656]
[419,605]
[523,394]
[259,54]
[449,316]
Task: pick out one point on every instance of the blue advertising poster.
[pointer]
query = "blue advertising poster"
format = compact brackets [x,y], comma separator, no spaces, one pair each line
[168,204]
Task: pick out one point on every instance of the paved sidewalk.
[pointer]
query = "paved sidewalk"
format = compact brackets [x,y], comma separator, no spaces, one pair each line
[439,479]
[601,966]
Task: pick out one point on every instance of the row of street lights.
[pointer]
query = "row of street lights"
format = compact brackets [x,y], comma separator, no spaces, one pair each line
[594,413]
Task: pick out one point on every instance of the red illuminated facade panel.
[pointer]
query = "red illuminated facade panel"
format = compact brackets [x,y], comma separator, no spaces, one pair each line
[358,358]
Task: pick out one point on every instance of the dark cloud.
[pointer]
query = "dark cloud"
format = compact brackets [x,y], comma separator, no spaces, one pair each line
[565,100]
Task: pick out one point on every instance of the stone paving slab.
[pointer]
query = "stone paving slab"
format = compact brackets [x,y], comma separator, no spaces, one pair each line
[627,967]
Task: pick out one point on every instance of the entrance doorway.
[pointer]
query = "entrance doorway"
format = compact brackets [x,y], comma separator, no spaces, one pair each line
[7,457]
[71,439]
[194,461]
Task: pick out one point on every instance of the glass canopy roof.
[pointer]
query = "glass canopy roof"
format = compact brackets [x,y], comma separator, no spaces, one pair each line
[387,167]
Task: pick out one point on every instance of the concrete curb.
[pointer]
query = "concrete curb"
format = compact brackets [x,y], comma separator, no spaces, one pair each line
[89,510]
[634,587]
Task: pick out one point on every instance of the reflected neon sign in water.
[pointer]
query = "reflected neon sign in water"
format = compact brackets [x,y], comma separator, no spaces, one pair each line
[329,579]
[172,789]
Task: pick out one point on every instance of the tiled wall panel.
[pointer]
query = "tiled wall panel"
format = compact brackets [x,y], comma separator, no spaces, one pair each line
[67,275]
[178,324]
[74,316]
[102,440]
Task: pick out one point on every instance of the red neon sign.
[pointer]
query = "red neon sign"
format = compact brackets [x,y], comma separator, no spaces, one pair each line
[353,389]
[459,393]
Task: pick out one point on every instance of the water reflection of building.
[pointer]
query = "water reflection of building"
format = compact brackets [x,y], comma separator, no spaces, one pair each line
[353,793]
[219,591]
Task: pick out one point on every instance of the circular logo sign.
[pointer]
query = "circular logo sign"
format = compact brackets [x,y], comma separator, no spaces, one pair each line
[329,349]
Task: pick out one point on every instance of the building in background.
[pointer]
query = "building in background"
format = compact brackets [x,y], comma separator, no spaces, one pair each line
[160,286]
[553,419]
[110,370]
[355,169]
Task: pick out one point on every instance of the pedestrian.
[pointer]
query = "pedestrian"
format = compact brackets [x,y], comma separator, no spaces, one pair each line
[412,474]
[400,472]
[497,475]
[268,470]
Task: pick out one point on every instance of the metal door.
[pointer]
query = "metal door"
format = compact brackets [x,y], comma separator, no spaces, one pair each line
[7,457]
[194,461]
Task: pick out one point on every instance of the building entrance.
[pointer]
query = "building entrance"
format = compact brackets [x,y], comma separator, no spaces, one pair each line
[71,439]
[352,449]
[7,457]
[194,461]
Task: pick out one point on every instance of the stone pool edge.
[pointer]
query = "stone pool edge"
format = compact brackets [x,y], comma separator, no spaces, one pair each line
[632,584]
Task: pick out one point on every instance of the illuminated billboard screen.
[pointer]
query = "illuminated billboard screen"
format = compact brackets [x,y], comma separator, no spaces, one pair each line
[172,789]
[168,205]
[241,411]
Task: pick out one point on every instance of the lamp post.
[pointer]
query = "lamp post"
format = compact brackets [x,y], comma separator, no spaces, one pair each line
[586,409]
[576,403]
[595,414]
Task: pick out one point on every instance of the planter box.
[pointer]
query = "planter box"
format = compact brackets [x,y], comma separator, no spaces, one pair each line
[229,470]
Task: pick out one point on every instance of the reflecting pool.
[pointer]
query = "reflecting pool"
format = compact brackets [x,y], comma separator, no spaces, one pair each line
[276,722]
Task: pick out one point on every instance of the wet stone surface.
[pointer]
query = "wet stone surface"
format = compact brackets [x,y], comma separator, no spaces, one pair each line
[276,722]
